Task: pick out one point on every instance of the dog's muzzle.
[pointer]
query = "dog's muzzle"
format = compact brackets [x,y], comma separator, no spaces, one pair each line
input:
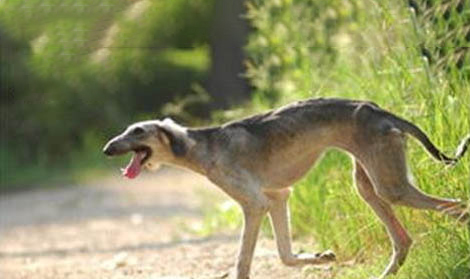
[116,147]
[109,150]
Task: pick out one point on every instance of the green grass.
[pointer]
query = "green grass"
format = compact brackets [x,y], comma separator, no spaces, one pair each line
[372,52]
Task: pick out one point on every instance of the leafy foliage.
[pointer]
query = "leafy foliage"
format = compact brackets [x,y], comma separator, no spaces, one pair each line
[75,68]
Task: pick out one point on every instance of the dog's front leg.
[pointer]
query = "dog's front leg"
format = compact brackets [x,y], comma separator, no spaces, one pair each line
[244,188]
[253,214]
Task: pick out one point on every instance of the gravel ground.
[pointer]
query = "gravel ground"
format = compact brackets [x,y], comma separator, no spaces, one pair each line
[117,228]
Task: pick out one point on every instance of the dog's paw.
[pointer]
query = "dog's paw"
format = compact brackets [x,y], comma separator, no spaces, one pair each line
[328,255]
[317,258]
[225,275]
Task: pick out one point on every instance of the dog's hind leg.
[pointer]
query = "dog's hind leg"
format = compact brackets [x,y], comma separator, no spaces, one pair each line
[387,168]
[279,216]
[400,239]
[415,198]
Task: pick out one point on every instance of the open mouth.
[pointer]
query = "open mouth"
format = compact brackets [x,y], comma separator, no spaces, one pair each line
[140,157]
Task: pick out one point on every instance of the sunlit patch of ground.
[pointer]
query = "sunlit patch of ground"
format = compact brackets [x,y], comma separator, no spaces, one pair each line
[119,228]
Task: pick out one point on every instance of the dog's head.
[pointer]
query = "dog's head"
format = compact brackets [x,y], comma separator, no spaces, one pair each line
[153,142]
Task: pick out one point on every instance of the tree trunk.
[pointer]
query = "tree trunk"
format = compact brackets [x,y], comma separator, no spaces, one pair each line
[226,85]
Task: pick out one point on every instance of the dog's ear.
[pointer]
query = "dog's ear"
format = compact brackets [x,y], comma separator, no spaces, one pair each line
[174,140]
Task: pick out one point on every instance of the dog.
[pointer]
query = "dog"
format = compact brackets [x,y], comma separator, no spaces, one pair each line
[256,161]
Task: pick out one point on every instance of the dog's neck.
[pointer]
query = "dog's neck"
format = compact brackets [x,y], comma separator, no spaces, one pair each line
[198,156]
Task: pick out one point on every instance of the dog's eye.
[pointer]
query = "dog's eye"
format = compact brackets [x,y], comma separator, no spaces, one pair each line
[137,131]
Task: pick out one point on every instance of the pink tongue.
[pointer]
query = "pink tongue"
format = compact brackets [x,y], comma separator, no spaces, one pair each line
[133,168]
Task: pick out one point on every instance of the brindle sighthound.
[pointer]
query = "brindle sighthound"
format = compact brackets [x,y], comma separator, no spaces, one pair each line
[256,160]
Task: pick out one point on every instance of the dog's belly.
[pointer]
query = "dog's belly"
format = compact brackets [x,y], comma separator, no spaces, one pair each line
[284,172]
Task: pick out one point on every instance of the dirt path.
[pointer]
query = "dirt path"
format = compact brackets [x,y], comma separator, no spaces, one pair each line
[118,228]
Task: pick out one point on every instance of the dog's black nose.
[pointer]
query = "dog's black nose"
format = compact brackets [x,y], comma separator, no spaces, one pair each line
[109,149]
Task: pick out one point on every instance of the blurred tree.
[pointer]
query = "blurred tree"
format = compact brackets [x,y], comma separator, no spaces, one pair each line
[75,68]
[226,84]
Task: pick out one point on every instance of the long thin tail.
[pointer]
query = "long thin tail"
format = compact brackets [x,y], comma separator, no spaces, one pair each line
[416,132]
